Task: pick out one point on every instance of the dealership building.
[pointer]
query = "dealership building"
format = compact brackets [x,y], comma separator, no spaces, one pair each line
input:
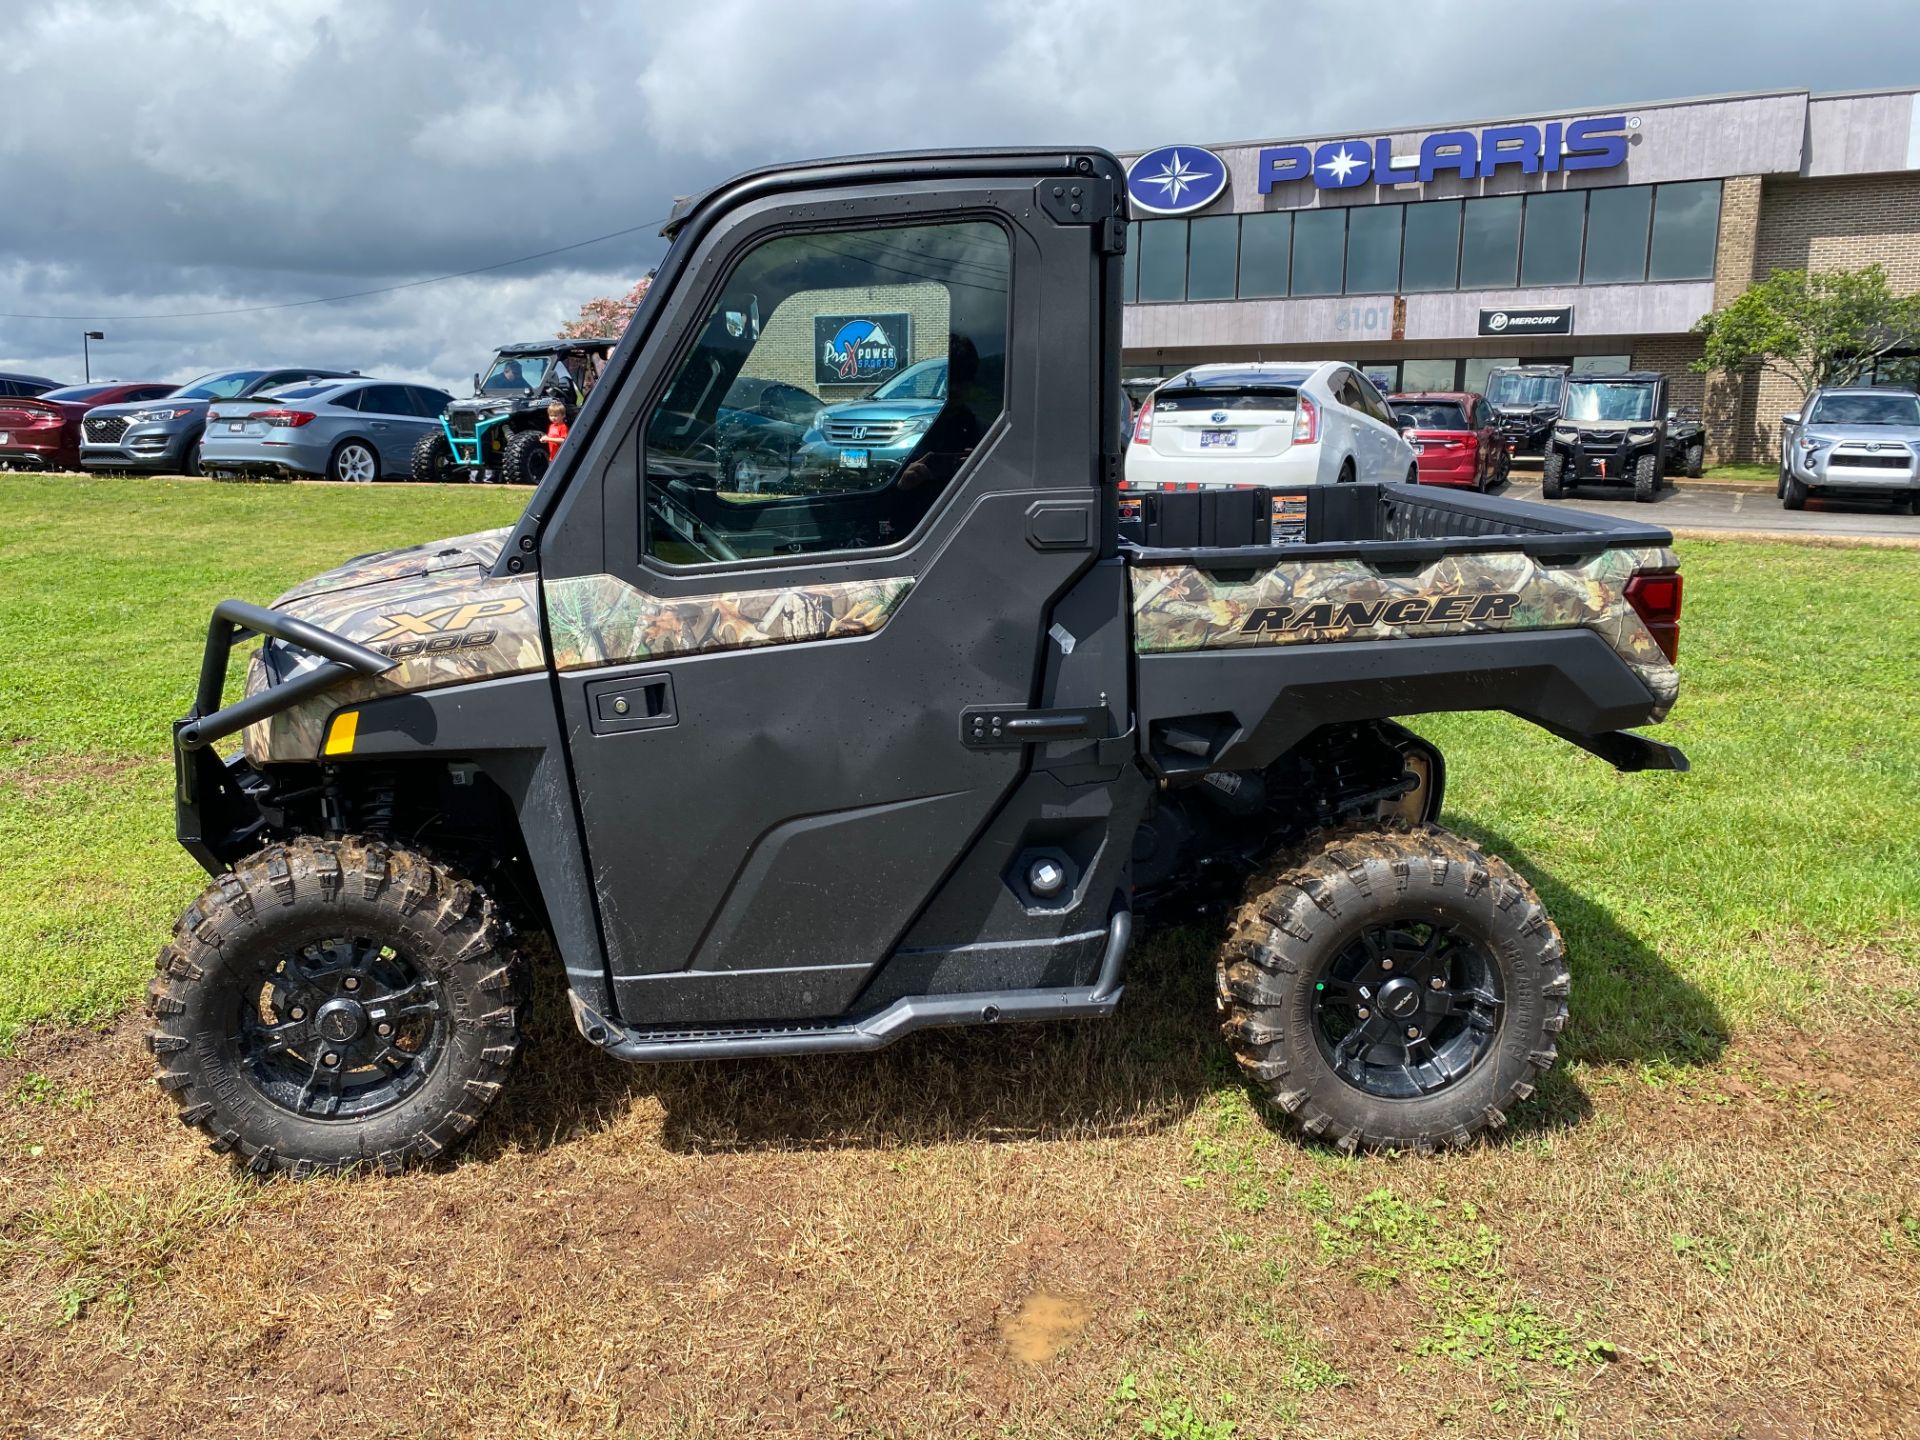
[1593,238]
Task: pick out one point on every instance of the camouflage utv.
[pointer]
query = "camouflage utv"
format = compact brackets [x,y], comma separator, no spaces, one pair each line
[805,773]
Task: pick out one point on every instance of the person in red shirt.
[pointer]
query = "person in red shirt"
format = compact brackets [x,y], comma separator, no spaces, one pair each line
[556,428]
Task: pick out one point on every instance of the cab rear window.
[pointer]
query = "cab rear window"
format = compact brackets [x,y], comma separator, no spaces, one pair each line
[1271,398]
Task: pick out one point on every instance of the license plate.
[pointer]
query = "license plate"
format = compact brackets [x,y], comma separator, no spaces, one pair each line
[4,437]
[853,459]
[1219,439]
[238,427]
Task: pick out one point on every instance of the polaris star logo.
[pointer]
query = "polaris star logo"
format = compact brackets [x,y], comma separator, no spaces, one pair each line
[1176,180]
[1595,144]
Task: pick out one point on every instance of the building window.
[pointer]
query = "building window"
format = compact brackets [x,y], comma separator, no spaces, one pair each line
[1432,258]
[1163,260]
[1475,377]
[1602,364]
[1130,276]
[1617,234]
[1686,227]
[1264,241]
[1384,374]
[1319,251]
[1490,243]
[1213,246]
[1373,250]
[1419,375]
[1551,255]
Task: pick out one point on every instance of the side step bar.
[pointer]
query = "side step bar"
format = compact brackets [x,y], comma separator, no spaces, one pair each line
[653,1043]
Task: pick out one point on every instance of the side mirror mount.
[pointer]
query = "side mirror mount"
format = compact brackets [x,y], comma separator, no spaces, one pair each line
[1402,423]
[476,382]
[1793,419]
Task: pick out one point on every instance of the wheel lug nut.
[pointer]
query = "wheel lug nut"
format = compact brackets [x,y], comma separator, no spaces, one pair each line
[1439,982]
[385,1029]
[1386,964]
[329,1059]
[1363,1012]
[298,1012]
[1413,1032]
[352,982]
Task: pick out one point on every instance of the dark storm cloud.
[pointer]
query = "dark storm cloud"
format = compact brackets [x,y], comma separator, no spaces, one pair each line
[197,155]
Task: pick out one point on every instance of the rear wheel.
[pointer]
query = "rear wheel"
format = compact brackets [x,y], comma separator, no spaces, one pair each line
[433,458]
[1551,469]
[192,464]
[1413,474]
[1794,494]
[1646,477]
[330,1004]
[523,460]
[354,462]
[1393,989]
[1696,458]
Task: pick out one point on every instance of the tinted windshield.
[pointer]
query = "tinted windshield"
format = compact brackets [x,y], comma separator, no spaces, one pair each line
[1513,388]
[76,392]
[925,381]
[1590,400]
[512,374]
[1889,409]
[217,387]
[1430,414]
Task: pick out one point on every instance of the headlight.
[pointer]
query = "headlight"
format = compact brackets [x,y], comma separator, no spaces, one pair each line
[819,420]
[1563,432]
[143,417]
[915,426]
[1640,434]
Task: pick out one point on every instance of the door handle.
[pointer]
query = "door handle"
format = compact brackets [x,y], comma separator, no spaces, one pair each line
[993,727]
[634,702]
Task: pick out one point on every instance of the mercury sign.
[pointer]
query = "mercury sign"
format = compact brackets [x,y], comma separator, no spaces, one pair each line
[1531,149]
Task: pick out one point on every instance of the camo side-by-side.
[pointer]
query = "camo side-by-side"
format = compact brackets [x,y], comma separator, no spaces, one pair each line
[1179,607]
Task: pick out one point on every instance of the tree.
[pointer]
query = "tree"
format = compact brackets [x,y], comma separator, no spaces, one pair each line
[608,315]
[1823,327]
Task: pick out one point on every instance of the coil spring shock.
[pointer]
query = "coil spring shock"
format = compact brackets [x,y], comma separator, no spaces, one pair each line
[375,805]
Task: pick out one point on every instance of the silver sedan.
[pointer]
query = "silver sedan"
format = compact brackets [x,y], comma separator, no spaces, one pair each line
[356,430]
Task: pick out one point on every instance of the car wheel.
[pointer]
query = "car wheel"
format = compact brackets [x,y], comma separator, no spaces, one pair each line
[1794,495]
[192,465]
[1413,474]
[1780,485]
[524,459]
[1346,473]
[355,463]
[1908,506]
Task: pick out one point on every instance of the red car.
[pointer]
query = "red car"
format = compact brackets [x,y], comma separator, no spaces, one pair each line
[44,433]
[1454,436]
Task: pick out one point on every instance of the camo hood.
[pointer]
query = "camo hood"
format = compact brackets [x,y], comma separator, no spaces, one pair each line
[476,553]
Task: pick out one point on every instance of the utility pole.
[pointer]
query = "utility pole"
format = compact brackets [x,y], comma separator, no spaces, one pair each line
[86,356]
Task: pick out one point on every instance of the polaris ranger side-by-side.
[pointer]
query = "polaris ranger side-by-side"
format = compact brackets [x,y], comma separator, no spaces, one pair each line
[1526,400]
[806,771]
[1617,430]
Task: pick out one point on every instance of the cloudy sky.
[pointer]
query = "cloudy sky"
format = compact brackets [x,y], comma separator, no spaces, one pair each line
[159,156]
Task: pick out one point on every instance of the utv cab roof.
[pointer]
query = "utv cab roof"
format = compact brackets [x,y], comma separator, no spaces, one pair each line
[1620,377]
[599,345]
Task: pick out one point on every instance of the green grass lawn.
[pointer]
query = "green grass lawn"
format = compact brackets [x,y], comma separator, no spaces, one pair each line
[1691,903]
[1753,474]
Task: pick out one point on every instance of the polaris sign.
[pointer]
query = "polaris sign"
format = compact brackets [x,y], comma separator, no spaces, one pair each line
[1531,149]
[1176,180]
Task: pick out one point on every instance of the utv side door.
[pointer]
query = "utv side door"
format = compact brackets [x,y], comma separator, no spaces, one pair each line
[764,692]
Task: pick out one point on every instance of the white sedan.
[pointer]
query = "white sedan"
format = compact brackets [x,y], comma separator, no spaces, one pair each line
[1271,423]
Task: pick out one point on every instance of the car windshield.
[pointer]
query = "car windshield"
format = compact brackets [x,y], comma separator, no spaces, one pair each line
[1430,414]
[217,387]
[1600,401]
[75,392]
[512,374]
[301,392]
[925,381]
[1515,388]
[1889,409]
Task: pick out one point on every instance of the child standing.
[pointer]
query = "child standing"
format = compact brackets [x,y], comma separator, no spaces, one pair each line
[556,428]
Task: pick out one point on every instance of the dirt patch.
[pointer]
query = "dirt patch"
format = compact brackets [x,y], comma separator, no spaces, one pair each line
[1042,1325]
[42,777]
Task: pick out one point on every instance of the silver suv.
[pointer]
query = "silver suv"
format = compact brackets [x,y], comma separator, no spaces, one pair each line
[1852,441]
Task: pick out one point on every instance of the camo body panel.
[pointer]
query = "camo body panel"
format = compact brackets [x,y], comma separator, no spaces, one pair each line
[1180,608]
[477,551]
[602,620]
[365,612]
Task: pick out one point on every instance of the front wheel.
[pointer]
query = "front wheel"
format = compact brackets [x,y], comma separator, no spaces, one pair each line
[1696,458]
[1646,478]
[1413,474]
[1393,989]
[1794,493]
[1551,469]
[523,461]
[355,463]
[433,458]
[332,1004]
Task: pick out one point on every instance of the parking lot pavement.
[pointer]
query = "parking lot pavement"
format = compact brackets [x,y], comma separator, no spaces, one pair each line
[1748,512]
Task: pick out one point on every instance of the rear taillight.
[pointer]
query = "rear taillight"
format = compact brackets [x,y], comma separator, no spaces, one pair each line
[212,415]
[1655,599]
[283,419]
[1306,422]
[1143,423]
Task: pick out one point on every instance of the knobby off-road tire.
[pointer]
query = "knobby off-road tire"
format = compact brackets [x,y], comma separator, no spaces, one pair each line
[1646,478]
[432,459]
[306,951]
[1550,469]
[1696,458]
[1333,960]
[523,461]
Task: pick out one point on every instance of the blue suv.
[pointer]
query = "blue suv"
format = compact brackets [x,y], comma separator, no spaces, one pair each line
[876,434]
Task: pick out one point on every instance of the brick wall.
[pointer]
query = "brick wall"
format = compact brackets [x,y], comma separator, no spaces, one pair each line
[785,348]
[1831,224]
[1674,354]
[1733,271]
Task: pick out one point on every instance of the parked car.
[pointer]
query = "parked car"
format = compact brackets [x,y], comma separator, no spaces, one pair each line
[1267,423]
[1619,430]
[1852,441]
[43,433]
[24,387]
[759,429]
[165,438]
[1455,436]
[1526,400]
[878,433]
[355,430]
